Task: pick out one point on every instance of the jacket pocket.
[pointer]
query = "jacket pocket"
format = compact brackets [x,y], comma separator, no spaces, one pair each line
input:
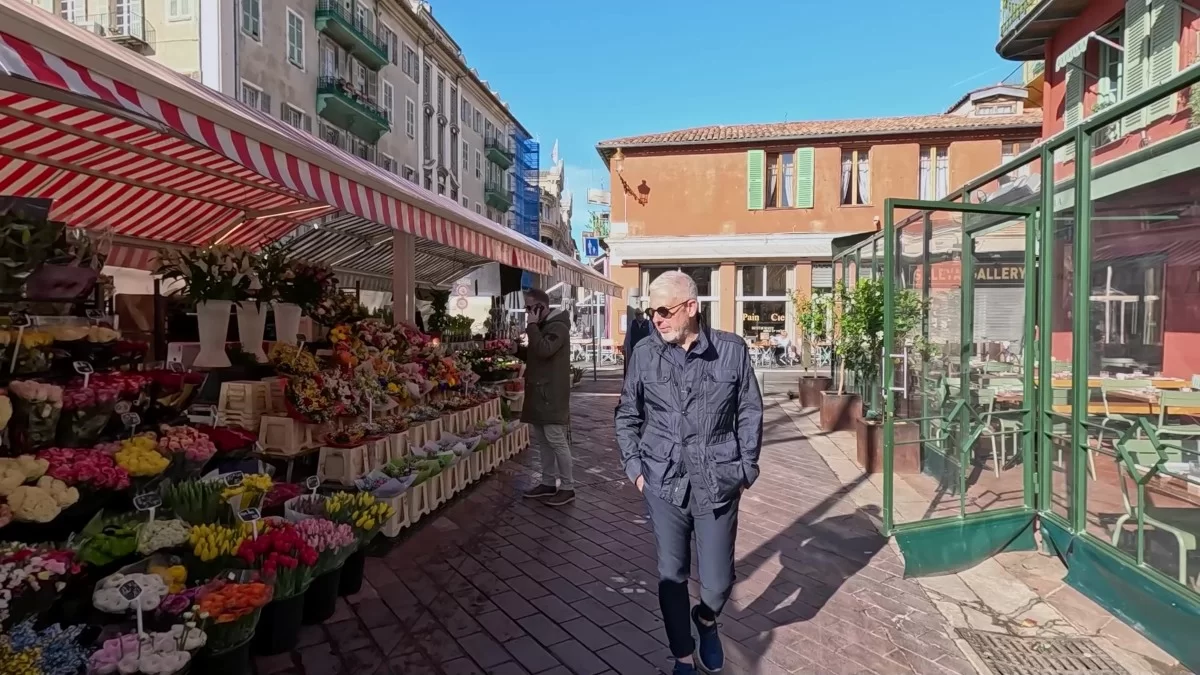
[724,466]
[721,391]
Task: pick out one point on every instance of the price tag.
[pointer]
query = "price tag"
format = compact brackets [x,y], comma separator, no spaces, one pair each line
[312,483]
[251,515]
[123,407]
[233,479]
[148,501]
[131,591]
[19,319]
[175,366]
[85,369]
[300,340]
[94,316]
[131,419]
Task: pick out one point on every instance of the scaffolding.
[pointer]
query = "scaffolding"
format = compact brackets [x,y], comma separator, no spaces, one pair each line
[526,203]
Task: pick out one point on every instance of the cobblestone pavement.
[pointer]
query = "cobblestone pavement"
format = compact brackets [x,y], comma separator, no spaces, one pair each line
[503,586]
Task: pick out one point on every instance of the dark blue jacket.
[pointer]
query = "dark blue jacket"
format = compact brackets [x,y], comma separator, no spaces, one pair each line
[635,332]
[724,409]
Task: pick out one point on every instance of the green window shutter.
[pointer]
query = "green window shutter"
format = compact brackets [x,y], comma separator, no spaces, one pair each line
[1073,100]
[1137,27]
[1164,53]
[804,178]
[756,161]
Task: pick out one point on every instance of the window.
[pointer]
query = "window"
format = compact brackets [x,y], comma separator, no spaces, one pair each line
[331,134]
[295,39]
[489,132]
[453,105]
[410,117]
[427,68]
[781,180]
[478,127]
[762,298]
[1009,150]
[389,102]
[387,162]
[996,109]
[296,117]
[934,173]
[409,64]
[454,153]
[478,208]
[254,97]
[478,164]
[704,276]
[252,18]
[466,202]
[466,112]
[392,44]
[177,10]
[329,59]
[856,177]
[466,155]
[74,10]
[409,173]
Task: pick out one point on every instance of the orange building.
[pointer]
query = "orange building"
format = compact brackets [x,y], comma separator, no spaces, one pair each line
[751,210]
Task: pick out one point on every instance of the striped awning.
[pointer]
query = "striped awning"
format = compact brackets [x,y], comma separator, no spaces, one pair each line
[127,145]
[570,271]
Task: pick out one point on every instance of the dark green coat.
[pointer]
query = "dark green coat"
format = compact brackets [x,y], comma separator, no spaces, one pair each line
[548,371]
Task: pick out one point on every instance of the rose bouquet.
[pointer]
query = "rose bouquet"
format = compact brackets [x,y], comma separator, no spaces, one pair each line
[187,448]
[229,608]
[86,411]
[282,554]
[36,409]
[41,503]
[139,456]
[333,542]
[307,285]
[360,510]
[52,651]
[86,469]
[30,579]
[279,494]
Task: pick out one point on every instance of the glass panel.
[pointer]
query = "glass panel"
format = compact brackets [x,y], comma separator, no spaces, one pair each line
[763,318]
[925,358]
[702,275]
[866,260]
[776,281]
[752,281]
[1060,258]
[1143,322]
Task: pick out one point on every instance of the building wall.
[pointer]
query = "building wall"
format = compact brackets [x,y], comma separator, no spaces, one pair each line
[703,192]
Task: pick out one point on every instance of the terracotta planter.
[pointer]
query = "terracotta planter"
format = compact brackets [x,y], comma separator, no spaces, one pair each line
[906,454]
[811,387]
[838,411]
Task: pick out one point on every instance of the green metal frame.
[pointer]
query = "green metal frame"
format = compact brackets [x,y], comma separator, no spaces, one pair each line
[1147,599]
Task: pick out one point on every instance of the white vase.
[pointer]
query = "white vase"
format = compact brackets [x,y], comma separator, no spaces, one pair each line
[212,317]
[287,322]
[252,321]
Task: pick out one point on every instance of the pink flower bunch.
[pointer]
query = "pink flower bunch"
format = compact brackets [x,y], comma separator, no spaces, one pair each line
[195,445]
[128,385]
[85,467]
[323,535]
[95,394]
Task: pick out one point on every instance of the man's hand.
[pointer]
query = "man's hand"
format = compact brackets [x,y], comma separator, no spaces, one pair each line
[533,316]
[640,483]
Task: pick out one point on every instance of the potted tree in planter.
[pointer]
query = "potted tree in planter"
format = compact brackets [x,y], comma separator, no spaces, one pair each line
[813,314]
[215,278]
[836,405]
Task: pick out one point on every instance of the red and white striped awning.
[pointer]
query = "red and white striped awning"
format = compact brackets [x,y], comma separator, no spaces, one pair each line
[130,146]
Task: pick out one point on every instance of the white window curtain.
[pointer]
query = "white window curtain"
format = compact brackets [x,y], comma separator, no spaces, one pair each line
[846,167]
[924,175]
[772,175]
[864,178]
[789,180]
[943,174]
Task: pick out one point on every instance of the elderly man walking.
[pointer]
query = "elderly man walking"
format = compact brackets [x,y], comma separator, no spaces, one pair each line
[689,426]
[547,407]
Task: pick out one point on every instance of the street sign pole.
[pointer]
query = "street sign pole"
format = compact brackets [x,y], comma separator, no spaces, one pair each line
[595,338]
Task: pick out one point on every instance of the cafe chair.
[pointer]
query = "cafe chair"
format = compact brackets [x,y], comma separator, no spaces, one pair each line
[1182,523]
[1177,399]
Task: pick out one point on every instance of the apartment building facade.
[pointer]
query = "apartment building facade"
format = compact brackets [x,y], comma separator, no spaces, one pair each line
[750,211]
[381,79]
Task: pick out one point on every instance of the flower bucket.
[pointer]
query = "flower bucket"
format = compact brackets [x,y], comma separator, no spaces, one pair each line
[287,322]
[352,573]
[252,322]
[212,317]
[279,626]
[320,601]
[234,661]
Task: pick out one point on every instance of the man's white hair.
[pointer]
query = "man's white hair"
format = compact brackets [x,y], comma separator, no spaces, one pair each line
[677,285]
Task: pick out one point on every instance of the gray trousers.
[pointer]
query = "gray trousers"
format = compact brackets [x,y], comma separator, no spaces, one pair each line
[553,443]
[716,532]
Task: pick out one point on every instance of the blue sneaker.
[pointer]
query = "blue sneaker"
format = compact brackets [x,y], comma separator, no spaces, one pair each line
[710,654]
[682,668]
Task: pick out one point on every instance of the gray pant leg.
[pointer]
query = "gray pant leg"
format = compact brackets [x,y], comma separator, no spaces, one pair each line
[716,533]
[553,442]
[673,541]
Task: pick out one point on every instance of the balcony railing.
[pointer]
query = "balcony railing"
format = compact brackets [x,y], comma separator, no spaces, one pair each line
[352,110]
[337,21]
[128,28]
[498,152]
[497,196]
[1012,11]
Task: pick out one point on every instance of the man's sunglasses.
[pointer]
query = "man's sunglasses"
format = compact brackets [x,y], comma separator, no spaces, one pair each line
[664,312]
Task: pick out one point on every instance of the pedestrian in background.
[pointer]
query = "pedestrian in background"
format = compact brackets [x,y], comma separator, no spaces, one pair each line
[638,328]
[689,428]
[547,407]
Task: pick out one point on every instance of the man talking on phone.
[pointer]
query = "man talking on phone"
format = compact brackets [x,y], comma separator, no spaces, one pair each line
[547,409]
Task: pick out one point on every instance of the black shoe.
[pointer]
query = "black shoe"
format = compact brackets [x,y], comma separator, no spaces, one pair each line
[541,492]
[562,498]
[710,655]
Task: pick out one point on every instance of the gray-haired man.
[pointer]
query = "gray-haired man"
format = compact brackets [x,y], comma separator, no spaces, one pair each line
[689,426]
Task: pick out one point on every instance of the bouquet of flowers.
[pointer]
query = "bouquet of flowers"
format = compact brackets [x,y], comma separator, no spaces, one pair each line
[312,399]
[188,449]
[214,273]
[360,510]
[86,411]
[338,307]
[304,507]
[279,494]
[282,553]
[165,652]
[250,493]
[292,360]
[376,334]
[30,579]
[332,542]
[229,608]
[52,651]
[195,501]
[304,284]
[32,351]
[36,409]
[140,456]
[210,542]
[107,539]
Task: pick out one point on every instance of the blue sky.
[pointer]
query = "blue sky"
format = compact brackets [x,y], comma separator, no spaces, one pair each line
[582,71]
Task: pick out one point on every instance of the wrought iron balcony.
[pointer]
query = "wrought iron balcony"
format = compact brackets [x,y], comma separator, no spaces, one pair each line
[340,24]
[497,196]
[1027,25]
[126,27]
[498,152]
[354,111]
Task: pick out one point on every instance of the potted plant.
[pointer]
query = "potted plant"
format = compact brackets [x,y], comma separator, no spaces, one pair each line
[813,315]
[439,319]
[295,288]
[215,278]
[836,404]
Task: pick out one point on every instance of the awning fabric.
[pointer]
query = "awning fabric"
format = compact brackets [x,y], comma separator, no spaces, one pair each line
[568,270]
[1071,53]
[115,152]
